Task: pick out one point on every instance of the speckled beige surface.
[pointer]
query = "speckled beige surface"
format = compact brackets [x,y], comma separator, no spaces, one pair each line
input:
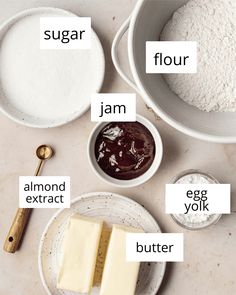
[210,260]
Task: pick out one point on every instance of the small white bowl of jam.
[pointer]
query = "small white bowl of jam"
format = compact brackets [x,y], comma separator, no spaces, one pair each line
[125,154]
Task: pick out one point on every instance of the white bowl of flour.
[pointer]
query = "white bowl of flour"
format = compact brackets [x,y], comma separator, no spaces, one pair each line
[45,88]
[202,110]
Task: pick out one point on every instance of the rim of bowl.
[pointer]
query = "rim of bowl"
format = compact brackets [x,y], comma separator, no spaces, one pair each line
[216,216]
[146,97]
[135,181]
[74,116]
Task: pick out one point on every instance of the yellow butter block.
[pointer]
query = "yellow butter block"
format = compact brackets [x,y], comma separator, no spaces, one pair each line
[119,276]
[80,252]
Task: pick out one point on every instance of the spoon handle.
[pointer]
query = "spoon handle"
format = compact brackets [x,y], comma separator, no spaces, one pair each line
[39,167]
[17,229]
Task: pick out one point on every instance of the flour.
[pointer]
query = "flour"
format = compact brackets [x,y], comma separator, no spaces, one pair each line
[212,23]
[195,220]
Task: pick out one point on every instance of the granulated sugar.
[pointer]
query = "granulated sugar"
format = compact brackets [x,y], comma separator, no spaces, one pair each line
[45,84]
[212,23]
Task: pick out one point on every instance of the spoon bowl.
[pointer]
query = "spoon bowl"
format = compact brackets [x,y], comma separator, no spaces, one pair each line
[44,152]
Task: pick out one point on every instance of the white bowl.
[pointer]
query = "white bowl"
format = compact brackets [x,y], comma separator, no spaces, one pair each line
[44,113]
[146,23]
[213,218]
[132,182]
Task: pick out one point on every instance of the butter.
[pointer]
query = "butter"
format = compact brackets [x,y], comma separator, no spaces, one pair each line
[119,276]
[80,253]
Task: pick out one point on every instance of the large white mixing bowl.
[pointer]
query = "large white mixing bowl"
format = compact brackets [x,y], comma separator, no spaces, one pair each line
[146,24]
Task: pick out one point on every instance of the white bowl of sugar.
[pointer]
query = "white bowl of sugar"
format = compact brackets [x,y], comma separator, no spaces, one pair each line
[45,87]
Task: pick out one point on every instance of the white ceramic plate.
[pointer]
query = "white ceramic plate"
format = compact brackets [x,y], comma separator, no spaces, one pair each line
[112,208]
[45,88]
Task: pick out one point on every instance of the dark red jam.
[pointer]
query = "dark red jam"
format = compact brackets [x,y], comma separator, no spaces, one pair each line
[125,150]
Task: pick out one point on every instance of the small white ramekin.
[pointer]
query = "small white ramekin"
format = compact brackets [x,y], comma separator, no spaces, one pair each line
[135,181]
[214,218]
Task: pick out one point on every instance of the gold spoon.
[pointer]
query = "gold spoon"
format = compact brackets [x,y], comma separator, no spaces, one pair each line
[16,231]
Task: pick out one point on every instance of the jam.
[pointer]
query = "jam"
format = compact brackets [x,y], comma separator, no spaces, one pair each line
[125,150]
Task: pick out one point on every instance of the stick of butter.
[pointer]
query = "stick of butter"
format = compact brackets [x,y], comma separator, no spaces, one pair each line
[119,276]
[80,254]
